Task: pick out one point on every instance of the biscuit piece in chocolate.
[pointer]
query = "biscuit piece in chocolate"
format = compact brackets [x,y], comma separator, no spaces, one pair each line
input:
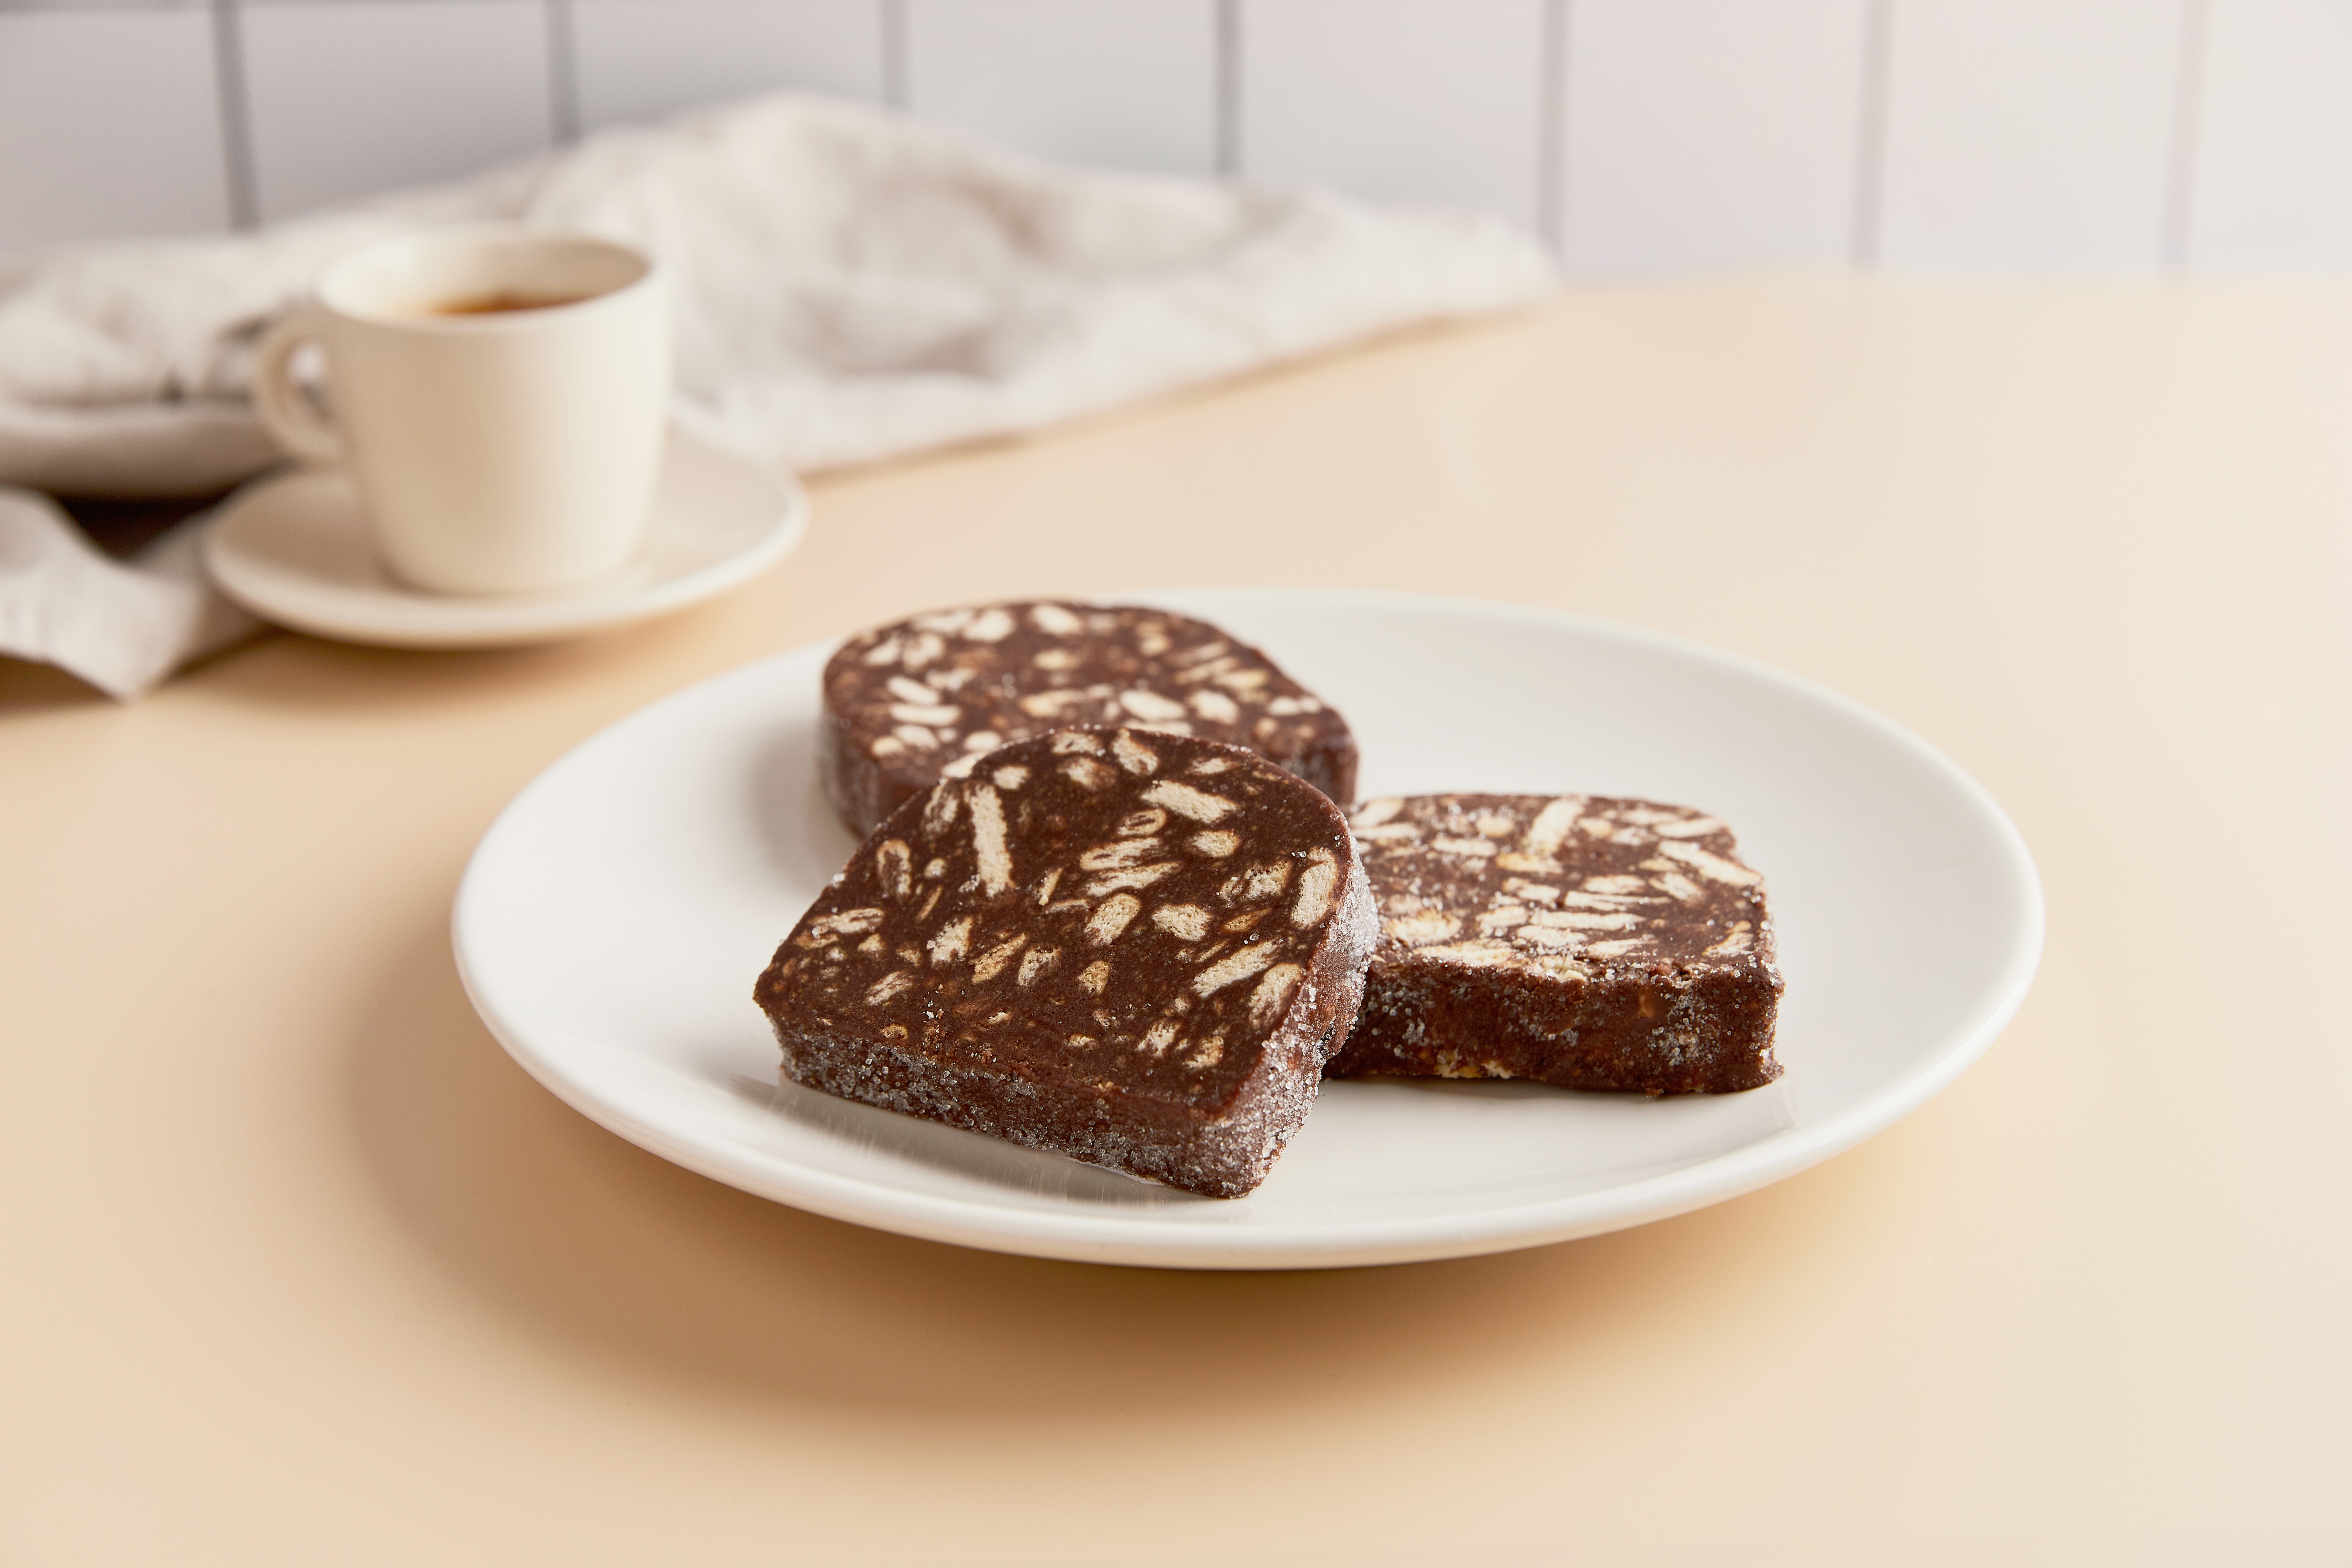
[1134,948]
[906,705]
[1591,943]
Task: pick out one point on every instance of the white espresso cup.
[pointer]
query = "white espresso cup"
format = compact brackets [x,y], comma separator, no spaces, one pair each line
[500,394]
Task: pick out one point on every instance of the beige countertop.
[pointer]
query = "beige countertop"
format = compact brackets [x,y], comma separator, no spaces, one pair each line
[301,1268]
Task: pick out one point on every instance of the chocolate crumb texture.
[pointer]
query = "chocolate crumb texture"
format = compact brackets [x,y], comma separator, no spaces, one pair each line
[1132,947]
[925,698]
[1585,942]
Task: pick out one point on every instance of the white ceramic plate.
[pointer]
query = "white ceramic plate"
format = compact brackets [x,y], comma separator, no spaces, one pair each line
[613,918]
[296,550]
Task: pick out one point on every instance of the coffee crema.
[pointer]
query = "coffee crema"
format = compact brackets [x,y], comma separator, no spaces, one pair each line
[499,303]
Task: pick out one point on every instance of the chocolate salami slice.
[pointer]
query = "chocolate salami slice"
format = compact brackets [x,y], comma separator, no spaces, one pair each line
[908,703]
[1591,943]
[1133,948]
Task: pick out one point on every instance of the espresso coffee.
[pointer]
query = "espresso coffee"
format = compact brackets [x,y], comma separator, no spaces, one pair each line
[495,304]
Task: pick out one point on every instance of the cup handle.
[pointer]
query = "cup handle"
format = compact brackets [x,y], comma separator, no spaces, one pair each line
[285,410]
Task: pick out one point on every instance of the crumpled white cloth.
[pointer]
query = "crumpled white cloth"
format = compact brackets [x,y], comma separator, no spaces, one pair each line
[122,628]
[849,284]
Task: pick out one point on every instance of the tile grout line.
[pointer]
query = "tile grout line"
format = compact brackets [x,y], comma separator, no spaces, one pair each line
[562,74]
[1228,106]
[1551,130]
[236,116]
[893,15]
[2188,132]
[1870,131]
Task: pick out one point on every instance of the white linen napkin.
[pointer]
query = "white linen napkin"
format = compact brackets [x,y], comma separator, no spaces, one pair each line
[849,284]
[122,628]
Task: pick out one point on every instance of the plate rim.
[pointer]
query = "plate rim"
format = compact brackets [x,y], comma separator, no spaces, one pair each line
[499,621]
[1123,1240]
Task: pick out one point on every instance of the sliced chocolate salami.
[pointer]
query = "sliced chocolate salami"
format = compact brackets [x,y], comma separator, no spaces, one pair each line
[1591,943]
[910,704]
[1134,948]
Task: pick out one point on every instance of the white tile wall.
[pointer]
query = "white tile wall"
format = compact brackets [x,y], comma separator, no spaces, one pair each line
[1129,83]
[2272,176]
[643,59]
[1707,134]
[1413,100]
[2055,136]
[109,126]
[362,96]
[2030,135]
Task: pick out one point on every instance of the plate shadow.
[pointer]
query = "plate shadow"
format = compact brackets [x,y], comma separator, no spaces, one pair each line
[651,1271]
[803,841]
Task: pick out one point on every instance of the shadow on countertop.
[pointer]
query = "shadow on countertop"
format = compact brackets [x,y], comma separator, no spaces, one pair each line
[647,1268]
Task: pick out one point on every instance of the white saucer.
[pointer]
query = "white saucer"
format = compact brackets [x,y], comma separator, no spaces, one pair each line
[296,551]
